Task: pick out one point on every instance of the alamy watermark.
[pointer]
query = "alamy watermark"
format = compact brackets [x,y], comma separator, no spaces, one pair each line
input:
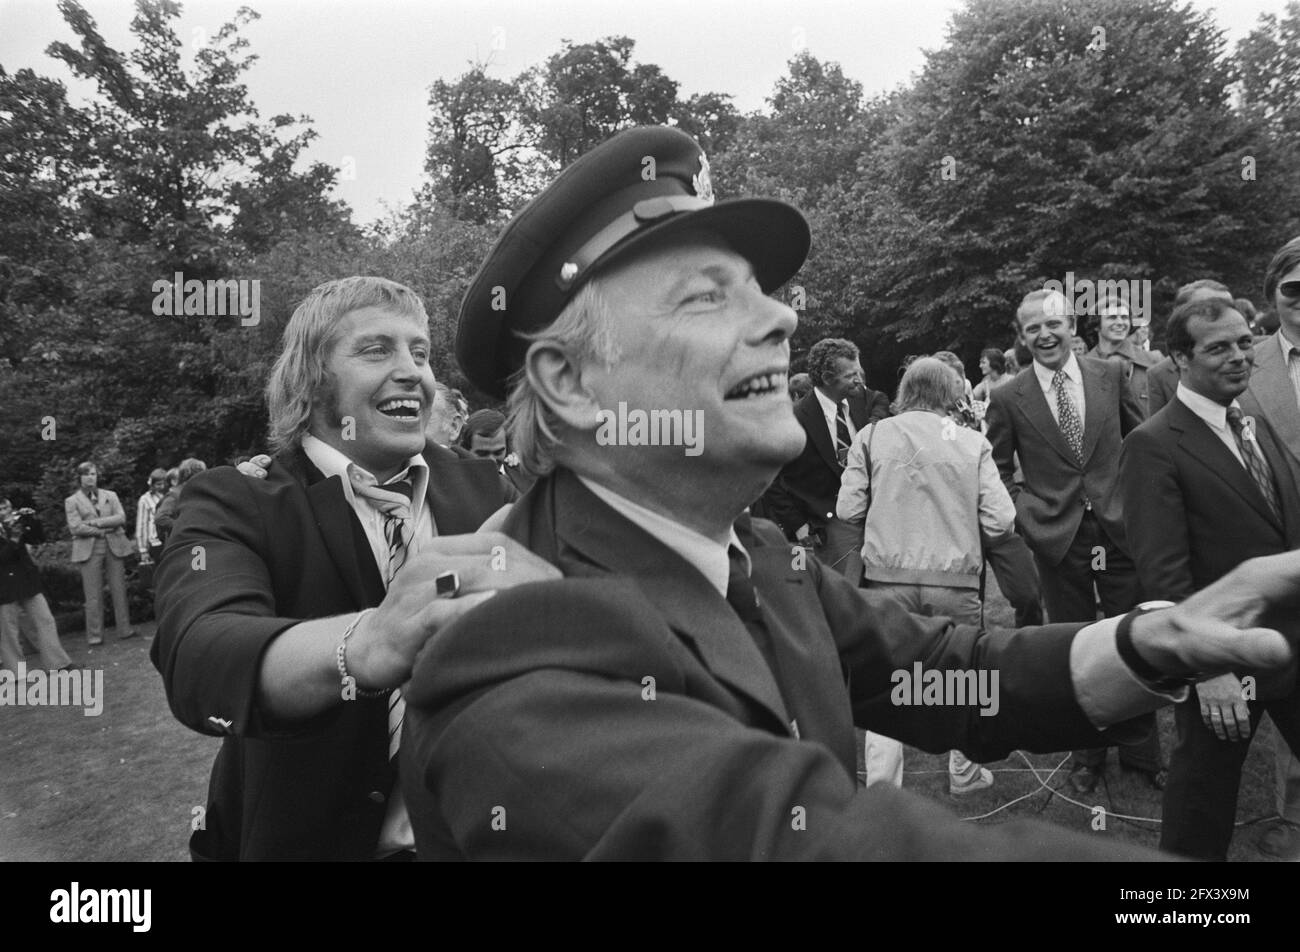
[78,687]
[945,688]
[626,427]
[77,905]
[1084,294]
[212,298]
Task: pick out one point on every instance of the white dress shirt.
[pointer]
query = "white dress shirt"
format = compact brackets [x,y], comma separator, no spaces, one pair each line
[1214,414]
[395,834]
[704,554]
[1292,364]
[829,411]
[1073,387]
[333,463]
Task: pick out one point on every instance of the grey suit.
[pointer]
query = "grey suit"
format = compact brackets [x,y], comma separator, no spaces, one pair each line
[1058,490]
[1272,396]
[1071,512]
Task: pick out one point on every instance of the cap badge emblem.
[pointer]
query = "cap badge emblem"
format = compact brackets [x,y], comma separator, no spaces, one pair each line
[701,182]
[568,271]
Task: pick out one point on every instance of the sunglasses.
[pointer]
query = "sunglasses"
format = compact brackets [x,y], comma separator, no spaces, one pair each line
[1289,289]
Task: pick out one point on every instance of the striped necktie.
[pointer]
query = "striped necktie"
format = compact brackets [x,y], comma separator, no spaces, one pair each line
[843,440]
[393,500]
[1255,462]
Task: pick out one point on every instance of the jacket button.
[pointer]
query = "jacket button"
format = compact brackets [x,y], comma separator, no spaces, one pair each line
[376,797]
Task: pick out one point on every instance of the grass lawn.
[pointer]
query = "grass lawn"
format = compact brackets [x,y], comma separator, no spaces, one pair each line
[122,786]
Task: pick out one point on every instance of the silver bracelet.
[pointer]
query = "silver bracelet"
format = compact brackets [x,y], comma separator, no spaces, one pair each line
[341,657]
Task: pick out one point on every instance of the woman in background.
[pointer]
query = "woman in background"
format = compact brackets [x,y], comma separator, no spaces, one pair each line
[922,490]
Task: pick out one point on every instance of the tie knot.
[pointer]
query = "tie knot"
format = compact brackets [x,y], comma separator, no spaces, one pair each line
[1235,419]
[740,590]
[403,486]
[1059,378]
[393,498]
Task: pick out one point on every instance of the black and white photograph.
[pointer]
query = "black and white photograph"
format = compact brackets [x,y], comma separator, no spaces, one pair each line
[690,431]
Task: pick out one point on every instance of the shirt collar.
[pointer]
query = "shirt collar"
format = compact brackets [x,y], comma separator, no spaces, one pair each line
[1215,414]
[1071,369]
[332,462]
[829,407]
[707,556]
[1287,346]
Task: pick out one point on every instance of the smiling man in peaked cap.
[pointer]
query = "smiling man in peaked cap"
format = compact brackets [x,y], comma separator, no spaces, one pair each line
[689,689]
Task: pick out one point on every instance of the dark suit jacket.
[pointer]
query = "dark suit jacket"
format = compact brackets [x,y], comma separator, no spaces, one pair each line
[1162,384]
[1050,504]
[20,579]
[275,552]
[1272,397]
[625,712]
[806,488]
[1191,511]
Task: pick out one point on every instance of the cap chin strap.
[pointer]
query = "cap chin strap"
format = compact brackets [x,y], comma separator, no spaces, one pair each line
[643,213]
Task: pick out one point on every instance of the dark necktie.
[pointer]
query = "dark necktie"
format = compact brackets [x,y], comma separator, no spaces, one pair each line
[1256,464]
[743,599]
[842,438]
[1068,416]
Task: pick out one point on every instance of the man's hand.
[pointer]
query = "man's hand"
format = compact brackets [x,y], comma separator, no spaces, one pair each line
[1215,630]
[1223,708]
[381,652]
[255,467]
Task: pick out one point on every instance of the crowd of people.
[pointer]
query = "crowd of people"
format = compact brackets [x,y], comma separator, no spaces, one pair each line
[1118,502]
[428,633]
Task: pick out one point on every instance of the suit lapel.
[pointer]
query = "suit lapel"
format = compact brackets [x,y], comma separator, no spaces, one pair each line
[592,539]
[858,411]
[1036,410]
[460,492]
[809,412]
[1288,492]
[1270,384]
[1099,401]
[1198,441]
[339,528]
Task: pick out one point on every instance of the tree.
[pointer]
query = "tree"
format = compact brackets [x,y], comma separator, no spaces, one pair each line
[586,93]
[166,169]
[1096,138]
[711,119]
[476,145]
[177,152]
[1269,61]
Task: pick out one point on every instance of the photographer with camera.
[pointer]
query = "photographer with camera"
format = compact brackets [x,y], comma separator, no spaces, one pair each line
[20,588]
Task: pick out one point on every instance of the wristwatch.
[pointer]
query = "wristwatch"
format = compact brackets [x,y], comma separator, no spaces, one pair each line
[1139,665]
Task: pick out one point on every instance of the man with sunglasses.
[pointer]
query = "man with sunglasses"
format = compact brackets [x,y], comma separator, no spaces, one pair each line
[1274,395]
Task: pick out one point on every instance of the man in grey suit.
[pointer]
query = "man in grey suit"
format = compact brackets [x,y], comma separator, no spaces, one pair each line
[1066,417]
[95,519]
[1274,395]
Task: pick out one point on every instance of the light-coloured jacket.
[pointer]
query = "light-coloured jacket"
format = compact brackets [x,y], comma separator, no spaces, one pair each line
[145,533]
[110,515]
[932,486]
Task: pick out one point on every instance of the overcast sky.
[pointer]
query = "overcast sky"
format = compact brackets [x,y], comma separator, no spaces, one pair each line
[361,69]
